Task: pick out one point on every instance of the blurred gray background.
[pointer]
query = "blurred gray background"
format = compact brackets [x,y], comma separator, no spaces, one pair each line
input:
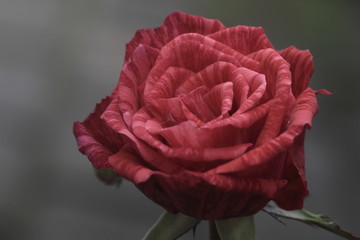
[58,58]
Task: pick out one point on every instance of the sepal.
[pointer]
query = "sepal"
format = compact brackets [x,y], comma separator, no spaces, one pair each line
[171,226]
[108,176]
[241,228]
[312,219]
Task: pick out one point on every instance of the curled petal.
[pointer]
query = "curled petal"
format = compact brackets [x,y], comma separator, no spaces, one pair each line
[253,161]
[220,98]
[182,154]
[257,86]
[169,82]
[214,74]
[210,196]
[242,120]
[301,67]
[128,164]
[278,78]
[113,118]
[305,109]
[95,139]
[292,195]
[196,102]
[174,25]
[132,77]
[243,60]
[244,39]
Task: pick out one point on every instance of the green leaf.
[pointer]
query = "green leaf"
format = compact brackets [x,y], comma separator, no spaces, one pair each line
[108,176]
[311,219]
[171,226]
[241,228]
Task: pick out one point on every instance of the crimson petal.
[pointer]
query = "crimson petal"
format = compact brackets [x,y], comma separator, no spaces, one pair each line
[244,39]
[174,25]
[95,139]
[114,119]
[278,78]
[301,67]
[305,109]
[132,78]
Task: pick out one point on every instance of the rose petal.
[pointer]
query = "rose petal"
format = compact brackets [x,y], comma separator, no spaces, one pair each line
[278,78]
[196,103]
[174,25]
[301,67]
[114,119]
[305,109]
[133,75]
[127,164]
[292,195]
[214,74]
[196,194]
[252,162]
[95,139]
[243,60]
[220,98]
[180,53]
[257,86]
[185,153]
[167,84]
[244,39]
[171,111]
[210,196]
[195,56]
[242,120]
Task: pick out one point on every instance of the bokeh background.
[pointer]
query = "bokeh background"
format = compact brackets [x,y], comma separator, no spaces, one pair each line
[58,58]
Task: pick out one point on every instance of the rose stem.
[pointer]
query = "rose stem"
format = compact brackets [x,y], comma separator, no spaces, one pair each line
[214,235]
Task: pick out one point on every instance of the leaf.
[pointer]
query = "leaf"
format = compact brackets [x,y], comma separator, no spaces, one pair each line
[171,226]
[241,228]
[108,176]
[310,218]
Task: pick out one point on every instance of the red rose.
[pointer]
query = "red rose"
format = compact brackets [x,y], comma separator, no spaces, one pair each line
[206,120]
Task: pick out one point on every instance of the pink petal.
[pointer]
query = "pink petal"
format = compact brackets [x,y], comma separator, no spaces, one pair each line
[252,162]
[242,60]
[174,25]
[243,38]
[323,91]
[256,85]
[292,195]
[133,75]
[210,196]
[95,139]
[213,74]
[127,164]
[167,111]
[220,98]
[195,102]
[242,120]
[177,135]
[180,53]
[113,118]
[278,78]
[167,84]
[305,109]
[276,71]
[173,110]
[195,56]
[301,67]
[179,23]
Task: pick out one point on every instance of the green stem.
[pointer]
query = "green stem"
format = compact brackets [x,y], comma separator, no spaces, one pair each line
[213,233]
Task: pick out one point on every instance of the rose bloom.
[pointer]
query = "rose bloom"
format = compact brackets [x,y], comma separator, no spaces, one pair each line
[206,120]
